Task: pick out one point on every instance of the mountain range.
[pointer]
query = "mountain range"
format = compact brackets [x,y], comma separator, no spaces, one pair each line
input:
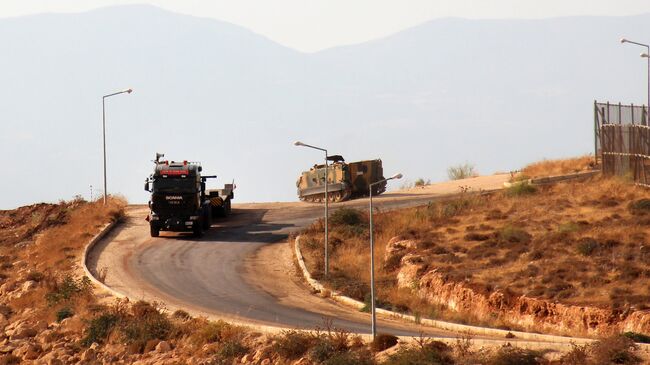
[495,93]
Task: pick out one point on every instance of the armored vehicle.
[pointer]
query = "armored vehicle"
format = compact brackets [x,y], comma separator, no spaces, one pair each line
[179,200]
[345,180]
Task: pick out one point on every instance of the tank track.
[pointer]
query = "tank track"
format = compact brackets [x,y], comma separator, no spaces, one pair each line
[333,197]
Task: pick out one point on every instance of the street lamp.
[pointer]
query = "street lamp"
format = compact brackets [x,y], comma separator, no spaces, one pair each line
[372,258]
[327,259]
[643,55]
[128,91]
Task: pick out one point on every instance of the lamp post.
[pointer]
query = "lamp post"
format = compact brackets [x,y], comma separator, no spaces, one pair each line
[327,259]
[645,55]
[372,259]
[128,91]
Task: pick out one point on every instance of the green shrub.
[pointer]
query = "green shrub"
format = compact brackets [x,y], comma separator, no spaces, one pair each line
[99,328]
[139,330]
[383,341]
[462,171]
[637,337]
[64,313]
[67,289]
[520,189]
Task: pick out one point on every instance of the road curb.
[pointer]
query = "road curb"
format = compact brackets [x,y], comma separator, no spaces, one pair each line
[553,179]
[84,258]
[461,328]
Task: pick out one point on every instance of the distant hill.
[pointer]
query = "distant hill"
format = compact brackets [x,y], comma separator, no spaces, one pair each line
[498,93]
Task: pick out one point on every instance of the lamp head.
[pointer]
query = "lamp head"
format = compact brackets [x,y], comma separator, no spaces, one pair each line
[644,55]
[298,143]
[396,176]
[129,90]
[623,40]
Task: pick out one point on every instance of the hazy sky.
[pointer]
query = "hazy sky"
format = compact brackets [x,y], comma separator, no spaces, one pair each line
[311,25]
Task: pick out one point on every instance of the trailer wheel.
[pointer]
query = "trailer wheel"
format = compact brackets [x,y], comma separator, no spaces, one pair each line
[155,231]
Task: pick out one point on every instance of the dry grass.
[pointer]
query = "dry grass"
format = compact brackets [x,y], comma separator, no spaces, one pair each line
[559,167]
[578,243]
[43,243]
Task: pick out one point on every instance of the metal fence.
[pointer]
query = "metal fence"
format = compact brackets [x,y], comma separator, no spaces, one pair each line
[622,140]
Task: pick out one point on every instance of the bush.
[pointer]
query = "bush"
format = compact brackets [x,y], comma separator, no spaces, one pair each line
[641,205]
[514,356]
[232,348]
[322,351]
[99,328]
[436,353]
[637,337]
[614,350]
[64,313]
[346,217]
[521,189]
[422,182]
[382,342]
[35,276]
[587,246]
[514,235]
[211,332]
[67,289]
[181,315]
[462,171]
[292,344]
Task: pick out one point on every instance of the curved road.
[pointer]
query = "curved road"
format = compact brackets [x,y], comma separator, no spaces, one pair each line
[243,268]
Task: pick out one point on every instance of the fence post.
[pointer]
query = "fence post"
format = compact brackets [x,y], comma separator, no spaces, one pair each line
[596,133]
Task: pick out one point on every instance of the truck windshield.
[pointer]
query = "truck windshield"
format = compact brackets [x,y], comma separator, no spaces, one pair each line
[174,185]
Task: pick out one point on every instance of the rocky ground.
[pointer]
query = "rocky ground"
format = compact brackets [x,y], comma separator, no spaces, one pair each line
[51,314]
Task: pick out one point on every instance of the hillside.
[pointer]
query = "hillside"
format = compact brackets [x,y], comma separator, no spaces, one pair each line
[239,100]
[568,258]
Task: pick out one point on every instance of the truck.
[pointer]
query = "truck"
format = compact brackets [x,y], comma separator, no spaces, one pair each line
[179,199]
[344,181]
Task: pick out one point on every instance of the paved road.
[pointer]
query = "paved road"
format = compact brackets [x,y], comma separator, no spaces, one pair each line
[242,269]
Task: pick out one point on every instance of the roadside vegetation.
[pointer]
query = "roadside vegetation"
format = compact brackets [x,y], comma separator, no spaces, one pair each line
[462,171]
[577,243]
[556,167]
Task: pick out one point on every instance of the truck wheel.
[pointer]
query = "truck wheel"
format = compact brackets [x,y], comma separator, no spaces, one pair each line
[207,218]
[197,230]
[155,231]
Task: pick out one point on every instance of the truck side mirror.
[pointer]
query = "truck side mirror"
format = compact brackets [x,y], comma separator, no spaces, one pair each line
[146,186]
